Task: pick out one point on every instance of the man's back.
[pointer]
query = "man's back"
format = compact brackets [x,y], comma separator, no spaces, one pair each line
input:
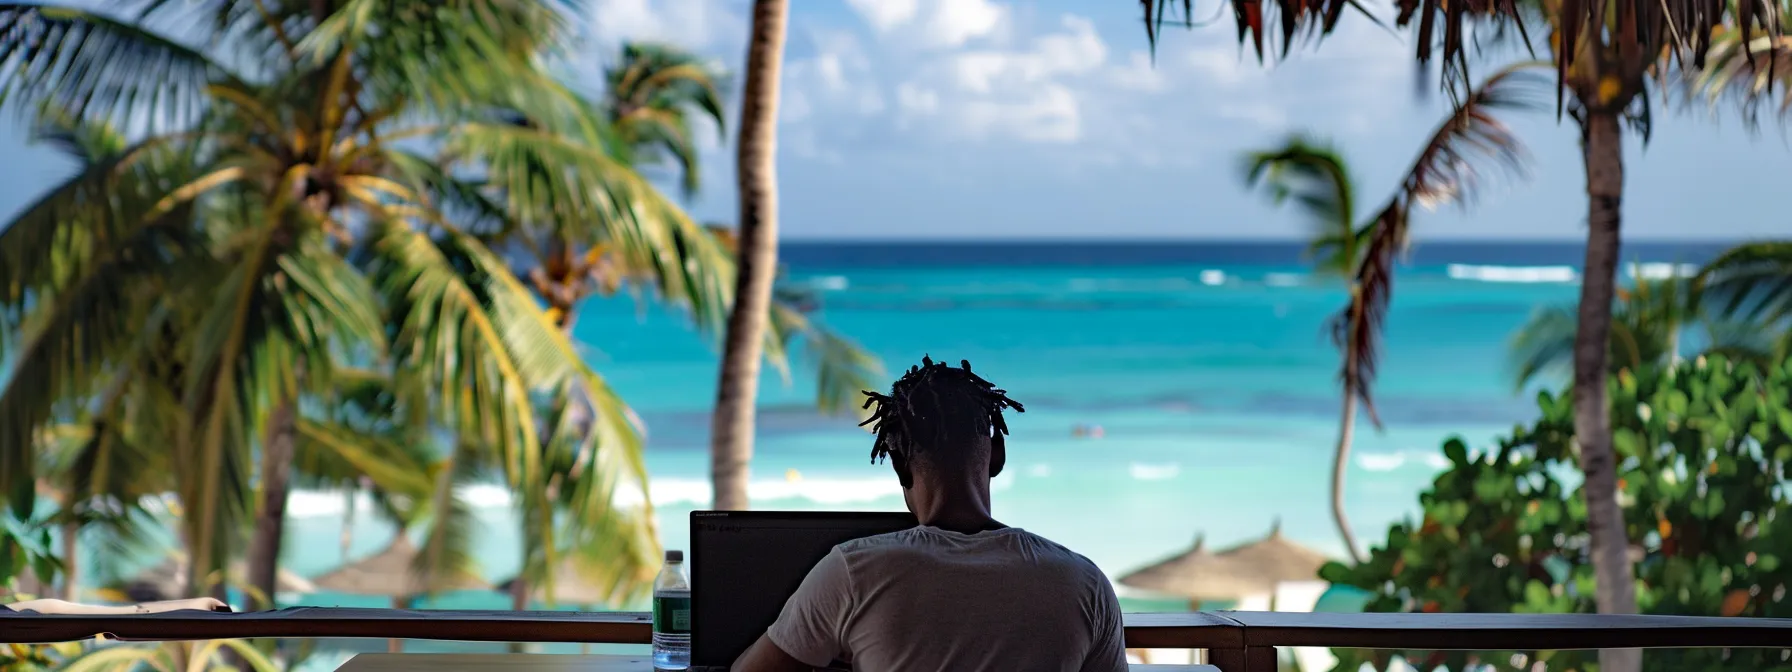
[931,599]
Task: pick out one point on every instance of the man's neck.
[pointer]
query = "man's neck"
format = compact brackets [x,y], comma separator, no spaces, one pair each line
[966,524]
[965,511]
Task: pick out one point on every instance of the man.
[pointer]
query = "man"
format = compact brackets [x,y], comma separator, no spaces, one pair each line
[962,592]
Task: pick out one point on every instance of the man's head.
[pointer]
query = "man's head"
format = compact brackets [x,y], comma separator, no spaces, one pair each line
[940,424]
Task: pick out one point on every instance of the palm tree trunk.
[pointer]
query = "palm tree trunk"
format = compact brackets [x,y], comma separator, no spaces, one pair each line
[71,563]
[347,538]
[1340,462]
[519,599]
[270,517]
[731,428]
[1603,149]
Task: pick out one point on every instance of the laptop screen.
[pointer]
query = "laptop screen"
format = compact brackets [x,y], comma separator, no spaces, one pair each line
[745,564]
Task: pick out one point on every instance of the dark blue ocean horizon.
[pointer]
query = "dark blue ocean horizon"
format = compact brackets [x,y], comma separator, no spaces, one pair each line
[806,254]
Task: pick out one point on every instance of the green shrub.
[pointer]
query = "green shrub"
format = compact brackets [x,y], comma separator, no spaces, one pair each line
[1703,451]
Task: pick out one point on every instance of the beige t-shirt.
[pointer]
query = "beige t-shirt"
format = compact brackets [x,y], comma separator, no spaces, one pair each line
[930,599]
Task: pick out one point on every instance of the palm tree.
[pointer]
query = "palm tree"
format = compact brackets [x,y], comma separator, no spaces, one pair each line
[842,367]
[1752,283]
[278,221]
[1603,53]
[1319,181]
[1647,324]
[649,96]
[731,428]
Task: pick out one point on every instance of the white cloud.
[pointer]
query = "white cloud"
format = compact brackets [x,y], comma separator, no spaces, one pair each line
[838,76]
[1025,94]
[793,107]
[916,100]
[1077,51]
[870,102]
[1139,74]
[952,23]
[803,144]
[886,15]
[699,25]
[1221,65]
[1263,114]
[1050,114]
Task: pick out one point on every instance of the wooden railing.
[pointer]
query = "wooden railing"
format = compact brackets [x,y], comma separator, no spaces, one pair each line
[1236,641]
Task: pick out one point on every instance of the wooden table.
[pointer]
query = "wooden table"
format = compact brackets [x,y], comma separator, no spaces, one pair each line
[535,662]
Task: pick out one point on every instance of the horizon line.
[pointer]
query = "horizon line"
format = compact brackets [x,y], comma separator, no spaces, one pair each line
[1033,240]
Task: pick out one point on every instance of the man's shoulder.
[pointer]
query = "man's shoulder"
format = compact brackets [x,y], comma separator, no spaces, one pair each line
[880,542]
[1070,560]
[1026,546]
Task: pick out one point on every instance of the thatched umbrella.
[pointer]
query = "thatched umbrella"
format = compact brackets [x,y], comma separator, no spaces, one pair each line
[1277,559]
[388,573]
[1248,569]
[168,580]
[1197,574]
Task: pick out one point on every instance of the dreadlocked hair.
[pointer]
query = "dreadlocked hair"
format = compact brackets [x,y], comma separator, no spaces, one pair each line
[932,402]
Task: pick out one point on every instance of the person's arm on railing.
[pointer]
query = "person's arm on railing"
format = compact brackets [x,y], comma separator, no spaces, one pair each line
[62,607]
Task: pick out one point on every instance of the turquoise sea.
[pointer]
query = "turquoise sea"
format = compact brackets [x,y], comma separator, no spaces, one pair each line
[1204,364]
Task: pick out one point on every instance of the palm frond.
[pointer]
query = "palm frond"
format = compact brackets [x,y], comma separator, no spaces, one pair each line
[648,94]
[459,200]
[1544,345]
[169,657]
[1318,179]
[335,452]
[1447,31]
[443,55]
[100,68]
[73,224]
[1743,72]
[842,367]
[74,332]
[1752,281]
[447,551]
[240,362]
[480,374]
[551,180]
[88,143]
[1444,172]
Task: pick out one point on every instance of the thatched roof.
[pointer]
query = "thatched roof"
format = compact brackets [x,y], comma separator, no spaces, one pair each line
[1197,574]
[570,588]
[1277,558]
[1248,569]
[388,573]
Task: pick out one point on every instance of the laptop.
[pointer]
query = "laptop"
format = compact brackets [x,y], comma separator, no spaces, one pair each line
[746,564]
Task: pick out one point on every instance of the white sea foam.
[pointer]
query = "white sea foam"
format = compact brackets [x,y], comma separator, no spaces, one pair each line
[1213,277]
[1154,472]
[1661,270]
[831,283]
[1513,273]
[1391,461]
[1282,279]
[666,492]
[1039,470]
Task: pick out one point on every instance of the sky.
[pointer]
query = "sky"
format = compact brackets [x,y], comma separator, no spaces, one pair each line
[983,119]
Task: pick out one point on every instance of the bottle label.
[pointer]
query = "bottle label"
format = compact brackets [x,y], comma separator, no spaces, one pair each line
[672,615]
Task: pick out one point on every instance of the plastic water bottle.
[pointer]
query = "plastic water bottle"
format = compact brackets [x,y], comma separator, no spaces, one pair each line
[672,615]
